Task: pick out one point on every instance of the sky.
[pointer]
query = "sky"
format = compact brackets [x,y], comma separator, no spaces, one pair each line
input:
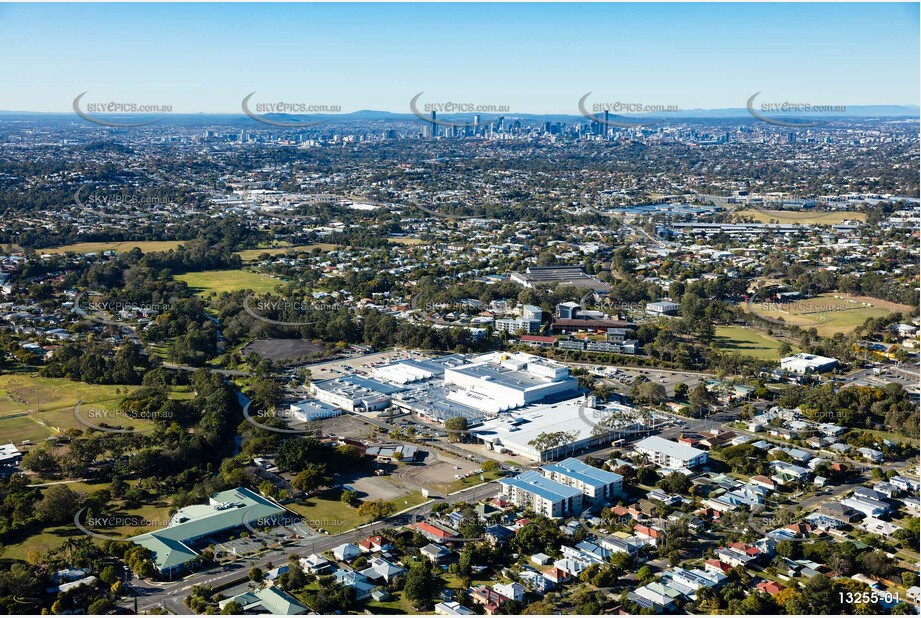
[532,58]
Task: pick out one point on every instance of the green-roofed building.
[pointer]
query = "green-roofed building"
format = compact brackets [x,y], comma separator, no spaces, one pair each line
[271,600]
[172,547]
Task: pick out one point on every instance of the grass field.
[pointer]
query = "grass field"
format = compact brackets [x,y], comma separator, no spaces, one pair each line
[821,218]
[326,510]
[747,342]
[470,481]
[36,541]
[35,408]
[217,281]
[826,313]
[147,246]
[406,241]
[248,255]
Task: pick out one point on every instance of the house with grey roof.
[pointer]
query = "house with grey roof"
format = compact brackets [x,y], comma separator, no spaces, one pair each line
[269,600]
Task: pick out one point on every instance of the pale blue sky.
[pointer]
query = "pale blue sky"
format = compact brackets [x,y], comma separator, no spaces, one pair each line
[538,58]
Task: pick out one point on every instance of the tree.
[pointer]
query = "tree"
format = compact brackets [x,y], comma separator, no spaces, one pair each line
[652,393]
[674,483]
[58,504]
[109,575]
[700,399]
[422,585]
[349,496]
[255,574]
[491,465]
[41,459]
[295,454]
[232,609]
[456,426]
[312,477]
[645,573]
[375,509]
[681,390]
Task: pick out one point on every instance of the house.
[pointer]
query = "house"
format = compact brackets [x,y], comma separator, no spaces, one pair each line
[557,575]
[573,566]
[867,506]
[694,579]
[452,608]
[269,600]
[660,593]
[905,483]
[839,448]
[382,569]
[356,581]
[535,581]
[432,532]
[763,481]
[512,590]
[887,490]
[717,566]
[768,587]
[273,574]
[738,554]
[880,527]
[838,511]
[871,454]
[498,535]
[649,534]
[489,599]
[316,564]
[373,544]
[346,552]
[435,553]
[540,559]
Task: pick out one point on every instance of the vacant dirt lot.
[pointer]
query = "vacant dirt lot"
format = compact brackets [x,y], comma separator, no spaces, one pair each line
[284,350]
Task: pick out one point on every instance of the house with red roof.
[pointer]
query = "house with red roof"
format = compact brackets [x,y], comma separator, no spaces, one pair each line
[763,481]
[649,534]
[717,566]
[374,543]
[433,533]
[488,598]
[557,575]
[769,587]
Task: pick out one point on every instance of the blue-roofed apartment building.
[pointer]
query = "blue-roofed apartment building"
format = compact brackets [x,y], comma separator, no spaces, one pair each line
[542,495]
[594,483]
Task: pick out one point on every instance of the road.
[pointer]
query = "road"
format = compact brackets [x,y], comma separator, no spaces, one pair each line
[169,595]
